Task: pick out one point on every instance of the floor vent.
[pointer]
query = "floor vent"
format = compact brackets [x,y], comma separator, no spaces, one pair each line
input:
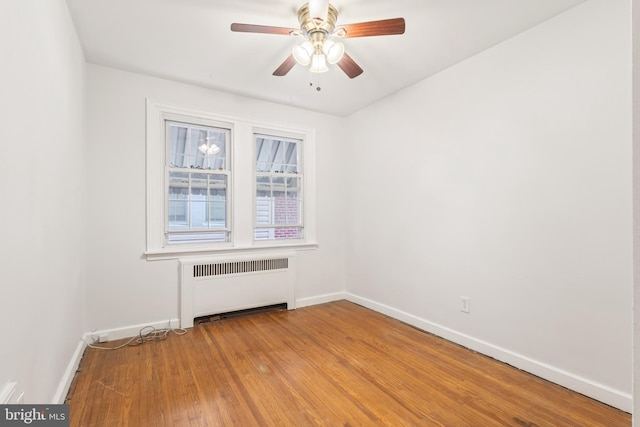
[239,313]
[235,267]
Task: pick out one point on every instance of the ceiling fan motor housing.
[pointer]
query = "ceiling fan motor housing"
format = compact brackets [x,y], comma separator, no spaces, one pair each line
[317,29]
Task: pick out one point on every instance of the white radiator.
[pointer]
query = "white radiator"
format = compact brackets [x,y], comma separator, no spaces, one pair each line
[222,285]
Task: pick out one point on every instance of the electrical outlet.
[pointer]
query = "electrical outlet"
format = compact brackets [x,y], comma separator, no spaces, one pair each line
[465,306]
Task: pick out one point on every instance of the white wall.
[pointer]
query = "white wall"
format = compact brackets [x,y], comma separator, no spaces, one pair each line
[507,179]
[124,289]
[42,89]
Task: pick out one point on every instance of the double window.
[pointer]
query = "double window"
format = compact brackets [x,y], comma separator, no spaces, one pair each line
[205,174]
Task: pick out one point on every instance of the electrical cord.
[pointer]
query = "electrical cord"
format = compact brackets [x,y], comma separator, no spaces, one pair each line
[152,335]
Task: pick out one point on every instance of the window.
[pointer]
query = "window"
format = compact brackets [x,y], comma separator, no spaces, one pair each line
[197,183]
[278,212]
[221,184]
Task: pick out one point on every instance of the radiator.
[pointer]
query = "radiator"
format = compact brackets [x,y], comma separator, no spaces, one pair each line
[222,285]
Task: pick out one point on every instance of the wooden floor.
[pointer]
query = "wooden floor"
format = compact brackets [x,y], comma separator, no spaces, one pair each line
[335,364]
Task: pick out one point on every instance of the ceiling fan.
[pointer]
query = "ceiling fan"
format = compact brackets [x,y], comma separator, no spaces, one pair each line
[318,28]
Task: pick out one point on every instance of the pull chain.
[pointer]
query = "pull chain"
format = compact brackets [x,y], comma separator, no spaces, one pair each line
[317,85]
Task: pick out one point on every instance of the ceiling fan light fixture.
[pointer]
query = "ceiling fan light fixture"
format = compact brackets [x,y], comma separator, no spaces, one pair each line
[302,53]
[317,20]
[318,63]
[333,51]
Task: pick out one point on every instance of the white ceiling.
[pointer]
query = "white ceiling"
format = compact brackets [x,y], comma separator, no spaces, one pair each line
[190,41]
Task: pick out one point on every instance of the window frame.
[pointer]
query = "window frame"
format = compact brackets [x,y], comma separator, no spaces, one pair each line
[226,172]
[300,154]
[241,192]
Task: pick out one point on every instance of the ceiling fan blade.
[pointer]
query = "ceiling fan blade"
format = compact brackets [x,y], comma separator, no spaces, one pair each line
[349,66]
[285,67]
[262,29]
[385,27]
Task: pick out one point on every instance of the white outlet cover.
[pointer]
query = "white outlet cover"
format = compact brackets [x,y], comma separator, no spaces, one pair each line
[465,305]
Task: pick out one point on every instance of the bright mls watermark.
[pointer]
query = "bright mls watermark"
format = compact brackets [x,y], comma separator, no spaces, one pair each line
[35,415]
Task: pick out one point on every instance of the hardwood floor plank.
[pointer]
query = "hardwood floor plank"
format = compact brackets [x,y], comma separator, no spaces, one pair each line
[326,365]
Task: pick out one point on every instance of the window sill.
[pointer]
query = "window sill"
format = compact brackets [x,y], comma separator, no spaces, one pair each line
[176,252]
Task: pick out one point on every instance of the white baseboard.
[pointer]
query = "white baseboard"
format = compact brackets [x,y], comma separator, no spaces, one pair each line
[69,373]
[320,299]
[128,331]
[597,391]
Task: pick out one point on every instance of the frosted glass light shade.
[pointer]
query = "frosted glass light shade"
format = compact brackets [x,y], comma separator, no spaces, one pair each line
[302,53]
[333,51]
[318,63]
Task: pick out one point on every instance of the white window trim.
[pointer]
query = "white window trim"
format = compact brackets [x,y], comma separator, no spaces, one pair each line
[242,166]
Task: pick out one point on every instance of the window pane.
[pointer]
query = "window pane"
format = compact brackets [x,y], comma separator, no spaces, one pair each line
[178,201]
[199,215]
[178,186]
[263,186]
[263,154]
[279,196]
[197,147]
[198,207]
[292,158]
[217,201]
[275,155]
[217,214]
[294,201]
[287,233]
[178,211]
[264,211]
[278,233]
[264,202]
[199,187]
[177,140]
[218,185]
